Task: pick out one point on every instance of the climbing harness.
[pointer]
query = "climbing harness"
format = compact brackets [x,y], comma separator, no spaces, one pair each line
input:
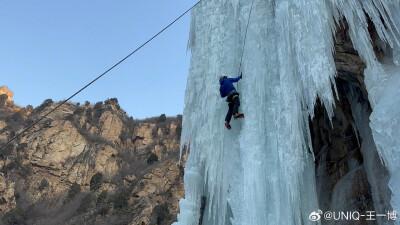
[244,41]
[231,98]
[87,85]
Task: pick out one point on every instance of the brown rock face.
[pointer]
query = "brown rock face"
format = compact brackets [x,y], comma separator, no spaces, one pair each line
[111,126]
[90,164]
[6,91]
[7,199]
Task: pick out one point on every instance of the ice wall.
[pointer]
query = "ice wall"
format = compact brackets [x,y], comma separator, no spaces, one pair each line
[262,171]
[377,174]
[385,124]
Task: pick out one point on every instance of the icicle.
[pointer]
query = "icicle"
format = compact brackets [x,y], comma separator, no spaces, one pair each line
[261,172]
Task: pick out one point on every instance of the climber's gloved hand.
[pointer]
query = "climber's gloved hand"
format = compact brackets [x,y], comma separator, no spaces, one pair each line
[240,75]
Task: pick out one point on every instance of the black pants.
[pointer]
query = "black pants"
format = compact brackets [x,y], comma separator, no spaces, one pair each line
[233,107]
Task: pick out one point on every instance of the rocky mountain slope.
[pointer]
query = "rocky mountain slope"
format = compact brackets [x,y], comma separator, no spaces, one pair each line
[88,164]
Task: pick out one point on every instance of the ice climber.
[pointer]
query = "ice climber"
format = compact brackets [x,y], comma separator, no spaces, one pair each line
[228,90]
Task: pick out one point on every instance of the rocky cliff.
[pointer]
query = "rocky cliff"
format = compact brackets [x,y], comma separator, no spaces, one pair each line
[5,91]
[89,164]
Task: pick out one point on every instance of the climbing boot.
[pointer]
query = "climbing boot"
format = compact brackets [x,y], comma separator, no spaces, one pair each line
[228,126]
[238,115]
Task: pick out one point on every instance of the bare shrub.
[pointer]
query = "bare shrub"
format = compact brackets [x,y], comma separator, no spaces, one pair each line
[43,184]
[44,105]
[160,214]
[95,182]
[3,99]
[152,158]
[74,189]
[85,203]
[102,198]
[15,216]
[120,200]
[79,111]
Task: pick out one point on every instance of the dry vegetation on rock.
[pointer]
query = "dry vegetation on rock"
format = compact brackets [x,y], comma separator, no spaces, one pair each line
[89,164]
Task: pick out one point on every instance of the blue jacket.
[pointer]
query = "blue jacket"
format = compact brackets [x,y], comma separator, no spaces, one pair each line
[227,88]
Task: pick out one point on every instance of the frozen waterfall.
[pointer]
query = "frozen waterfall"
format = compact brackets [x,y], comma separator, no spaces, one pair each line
[262,171]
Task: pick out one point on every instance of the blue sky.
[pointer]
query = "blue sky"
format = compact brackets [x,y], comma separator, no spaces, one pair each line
[52,48]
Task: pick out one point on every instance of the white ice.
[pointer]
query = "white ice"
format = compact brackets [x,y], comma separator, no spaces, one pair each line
[262,171]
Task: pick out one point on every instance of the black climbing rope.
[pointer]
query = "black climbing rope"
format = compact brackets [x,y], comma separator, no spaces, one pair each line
[87,85]
[244,41]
